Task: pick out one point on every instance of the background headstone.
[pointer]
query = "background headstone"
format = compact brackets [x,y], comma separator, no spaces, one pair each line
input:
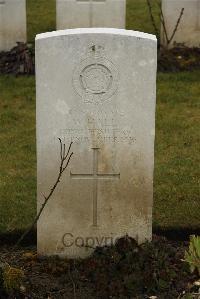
[97,88]
[12,23]
[188,32]
[91,13]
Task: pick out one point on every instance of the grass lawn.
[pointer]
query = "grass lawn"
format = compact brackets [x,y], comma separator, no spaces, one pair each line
[17,152]
[41,17]
[176,193]
[176,185]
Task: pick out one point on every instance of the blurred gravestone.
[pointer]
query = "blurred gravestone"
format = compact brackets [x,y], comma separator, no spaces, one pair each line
[91,13]
[12,23]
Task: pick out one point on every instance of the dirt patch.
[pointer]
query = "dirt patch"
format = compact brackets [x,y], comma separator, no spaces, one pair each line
[125,270]
[179,59]
[18,61]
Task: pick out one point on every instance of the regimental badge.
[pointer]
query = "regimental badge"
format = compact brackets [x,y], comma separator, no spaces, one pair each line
[96,78]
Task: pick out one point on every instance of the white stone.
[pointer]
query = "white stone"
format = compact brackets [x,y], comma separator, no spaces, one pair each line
[12,23]
[90,13]
[188,32]
[97,88]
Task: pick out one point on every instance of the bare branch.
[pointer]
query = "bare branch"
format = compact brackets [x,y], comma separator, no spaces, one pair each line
[63,150]
[152,18]
[177,24]
[67,162]
[69,150]
[60,148]
[162,19]
[46,198]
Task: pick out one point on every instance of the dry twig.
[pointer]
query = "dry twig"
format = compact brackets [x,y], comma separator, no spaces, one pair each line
[177,24]
[64,162]
[162,20]
[152,18]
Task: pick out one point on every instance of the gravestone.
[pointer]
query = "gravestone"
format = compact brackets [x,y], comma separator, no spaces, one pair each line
[12,23]
[96,88]
[90,13]
[188,32]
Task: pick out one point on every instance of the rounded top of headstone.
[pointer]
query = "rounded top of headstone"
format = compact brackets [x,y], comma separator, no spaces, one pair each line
[111,31]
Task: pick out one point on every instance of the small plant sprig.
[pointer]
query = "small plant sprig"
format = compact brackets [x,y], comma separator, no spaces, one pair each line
[12,278]
[192,256]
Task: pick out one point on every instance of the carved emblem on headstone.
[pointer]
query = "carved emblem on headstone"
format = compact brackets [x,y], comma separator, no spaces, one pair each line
[95,78]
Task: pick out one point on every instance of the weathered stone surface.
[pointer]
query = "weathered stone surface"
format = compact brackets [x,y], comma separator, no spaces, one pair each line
[12,23]
[188,32]
[97,88]
[91,13]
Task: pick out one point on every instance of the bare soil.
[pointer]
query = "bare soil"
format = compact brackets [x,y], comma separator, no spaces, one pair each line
[125,270]
[179,59]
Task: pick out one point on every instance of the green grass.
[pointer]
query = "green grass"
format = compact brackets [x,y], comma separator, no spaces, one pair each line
[176,189]
[41,17]
[17,152]
[138,18]
[176,193]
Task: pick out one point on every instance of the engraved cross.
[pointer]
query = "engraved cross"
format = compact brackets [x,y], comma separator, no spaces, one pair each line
[95,176]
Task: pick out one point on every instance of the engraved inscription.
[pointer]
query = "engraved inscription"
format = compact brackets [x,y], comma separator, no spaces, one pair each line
[98,136]
[95,176]
[97,131]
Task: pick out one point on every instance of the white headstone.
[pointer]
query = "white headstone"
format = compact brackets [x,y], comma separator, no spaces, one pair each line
[90,13]
[12,23]
[188,32]
[97,88]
